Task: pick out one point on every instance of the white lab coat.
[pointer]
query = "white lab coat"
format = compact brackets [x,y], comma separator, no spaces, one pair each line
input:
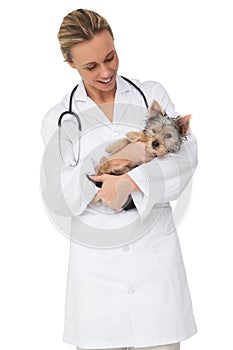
[132,294]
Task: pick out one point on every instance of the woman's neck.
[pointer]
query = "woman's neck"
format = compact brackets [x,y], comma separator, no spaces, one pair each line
[100,97]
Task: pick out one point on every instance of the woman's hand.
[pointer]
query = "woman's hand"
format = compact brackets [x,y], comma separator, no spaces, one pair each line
[115,190]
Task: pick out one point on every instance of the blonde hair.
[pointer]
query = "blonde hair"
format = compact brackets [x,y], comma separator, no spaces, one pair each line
[79,26]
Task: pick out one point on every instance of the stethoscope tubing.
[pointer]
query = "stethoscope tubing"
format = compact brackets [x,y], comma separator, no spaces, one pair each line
[74,114]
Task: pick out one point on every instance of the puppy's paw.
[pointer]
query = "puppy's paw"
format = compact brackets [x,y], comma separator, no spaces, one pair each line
[103,167]
[117,146]
[135,136]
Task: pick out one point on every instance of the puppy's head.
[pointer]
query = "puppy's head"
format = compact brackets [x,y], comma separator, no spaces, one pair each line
[164,134]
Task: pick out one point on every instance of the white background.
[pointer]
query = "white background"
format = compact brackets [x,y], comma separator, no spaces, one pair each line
[187,46]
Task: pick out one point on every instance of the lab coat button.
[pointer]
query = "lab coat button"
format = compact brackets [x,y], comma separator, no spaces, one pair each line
[126,248]
[131,290]
[114,134]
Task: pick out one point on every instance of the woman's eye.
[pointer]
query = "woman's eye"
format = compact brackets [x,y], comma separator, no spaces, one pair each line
[91,68]
[109,59]
[168,136]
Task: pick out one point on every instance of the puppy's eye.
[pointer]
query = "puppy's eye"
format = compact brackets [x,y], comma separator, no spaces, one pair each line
[154,131]
[167,136]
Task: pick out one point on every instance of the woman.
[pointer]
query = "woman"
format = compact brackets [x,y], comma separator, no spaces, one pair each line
[135,293]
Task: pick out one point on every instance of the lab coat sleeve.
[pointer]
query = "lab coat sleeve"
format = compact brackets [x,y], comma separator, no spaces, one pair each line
[163,179]
[65,189]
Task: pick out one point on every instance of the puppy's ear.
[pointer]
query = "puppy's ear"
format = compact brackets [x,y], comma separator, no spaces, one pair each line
[183,123]
[155,110]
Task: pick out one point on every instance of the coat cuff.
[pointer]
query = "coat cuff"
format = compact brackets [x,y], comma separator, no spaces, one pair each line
[140,198]
[78,191]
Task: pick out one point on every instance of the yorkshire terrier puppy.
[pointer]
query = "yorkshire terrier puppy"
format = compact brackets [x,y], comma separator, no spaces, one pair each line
[161,135]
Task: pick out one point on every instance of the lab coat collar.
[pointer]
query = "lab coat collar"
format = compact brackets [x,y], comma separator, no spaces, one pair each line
[80,93]
[123,98]
[122,89]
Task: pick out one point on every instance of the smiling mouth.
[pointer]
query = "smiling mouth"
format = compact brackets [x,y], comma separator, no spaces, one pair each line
[105,81]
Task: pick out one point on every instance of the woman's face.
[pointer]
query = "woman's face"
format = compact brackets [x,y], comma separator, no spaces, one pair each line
[96,61]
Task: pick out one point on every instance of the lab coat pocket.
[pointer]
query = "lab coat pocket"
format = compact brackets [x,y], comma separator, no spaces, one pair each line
[84,260]
[163,222]
[165,251]
[165,248]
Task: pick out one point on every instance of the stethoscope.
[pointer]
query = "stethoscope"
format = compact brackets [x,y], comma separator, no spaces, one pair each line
[78,121]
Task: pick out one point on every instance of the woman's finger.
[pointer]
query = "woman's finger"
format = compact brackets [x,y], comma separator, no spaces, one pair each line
[96,198]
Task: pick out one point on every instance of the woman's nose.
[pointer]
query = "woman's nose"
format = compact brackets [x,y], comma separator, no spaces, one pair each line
[104,71]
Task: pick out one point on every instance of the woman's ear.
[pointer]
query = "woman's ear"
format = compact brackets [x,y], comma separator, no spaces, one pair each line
[71,64]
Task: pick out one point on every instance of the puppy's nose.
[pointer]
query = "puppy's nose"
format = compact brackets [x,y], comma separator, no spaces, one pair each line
[155,144]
